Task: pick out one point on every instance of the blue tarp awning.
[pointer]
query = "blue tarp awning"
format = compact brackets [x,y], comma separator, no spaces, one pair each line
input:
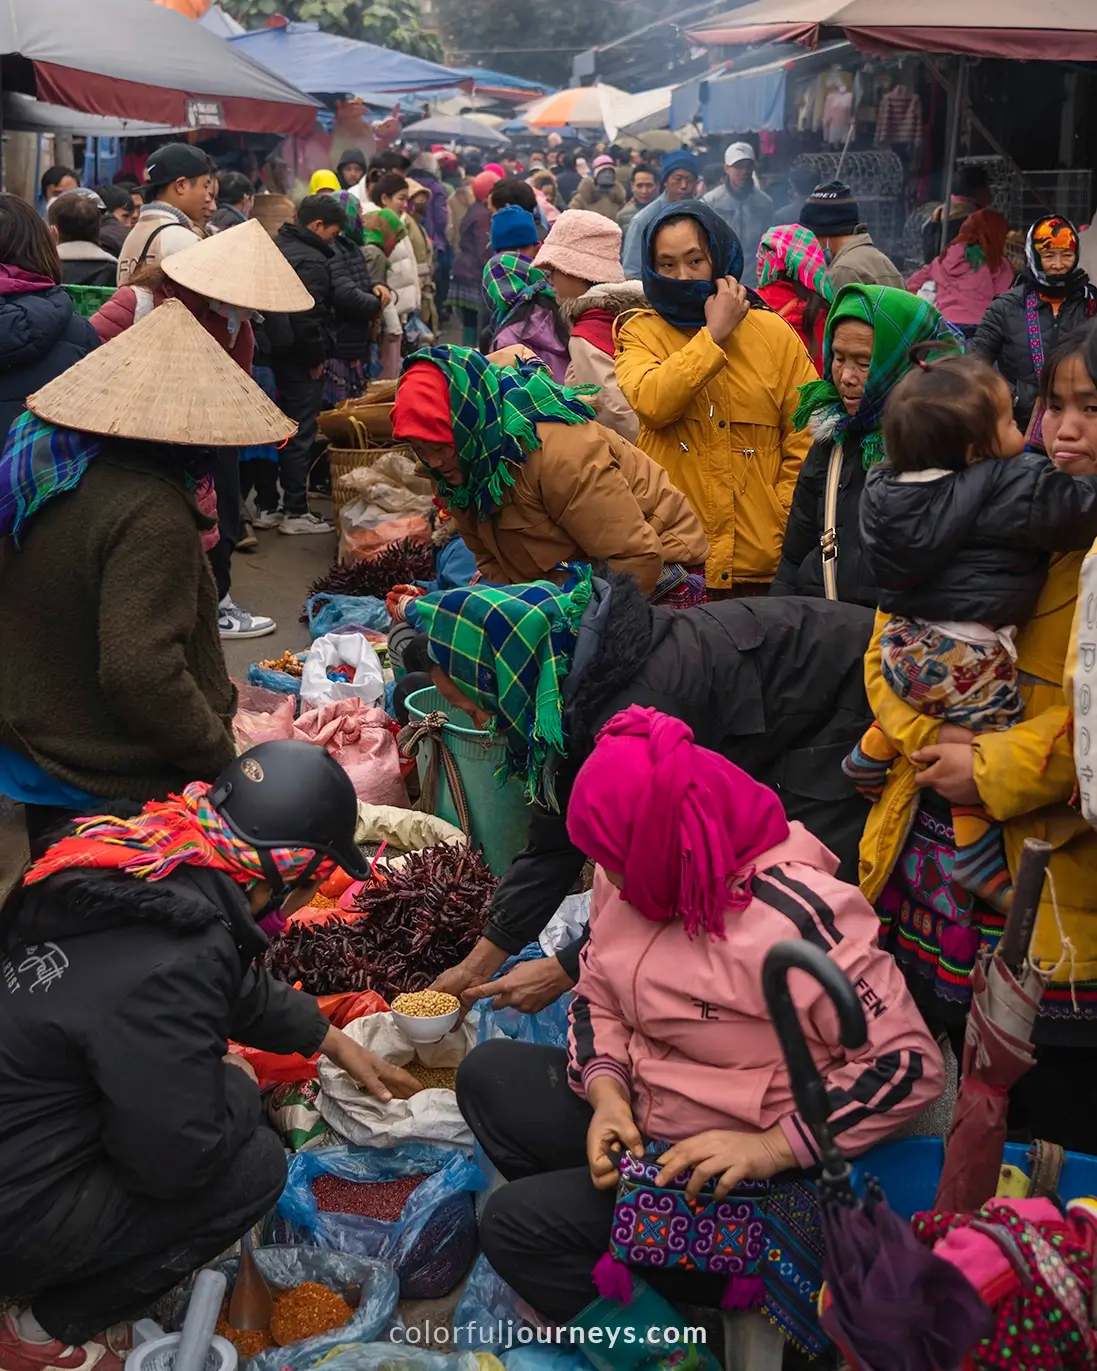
[502,80]
[327,63]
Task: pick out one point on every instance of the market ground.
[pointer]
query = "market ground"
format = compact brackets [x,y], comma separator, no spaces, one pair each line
[274,580]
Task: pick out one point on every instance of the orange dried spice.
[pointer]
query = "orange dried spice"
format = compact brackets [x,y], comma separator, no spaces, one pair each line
[248,1343]
[305,1312]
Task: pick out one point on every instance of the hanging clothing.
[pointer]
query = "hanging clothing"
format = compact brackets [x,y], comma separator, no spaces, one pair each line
[899,118]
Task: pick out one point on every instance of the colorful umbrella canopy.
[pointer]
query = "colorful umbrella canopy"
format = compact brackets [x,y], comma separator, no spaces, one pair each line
[1057,30]
[192,9]
[579,106]
[133,60]
[456,128]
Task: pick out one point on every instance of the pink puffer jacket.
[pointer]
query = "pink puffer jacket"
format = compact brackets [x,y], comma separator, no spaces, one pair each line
[683,1023]
[963,294]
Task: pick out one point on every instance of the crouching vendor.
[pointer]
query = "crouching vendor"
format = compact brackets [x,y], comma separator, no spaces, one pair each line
[774,685]
[133,1148]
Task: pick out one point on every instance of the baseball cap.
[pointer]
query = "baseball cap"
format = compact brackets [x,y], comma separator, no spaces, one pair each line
[173,160]
[739,152]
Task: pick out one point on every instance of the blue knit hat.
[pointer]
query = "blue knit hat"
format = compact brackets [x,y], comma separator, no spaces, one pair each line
[679,160]
[512,227]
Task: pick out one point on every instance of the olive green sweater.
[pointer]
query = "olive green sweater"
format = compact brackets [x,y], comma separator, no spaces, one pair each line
[112,676]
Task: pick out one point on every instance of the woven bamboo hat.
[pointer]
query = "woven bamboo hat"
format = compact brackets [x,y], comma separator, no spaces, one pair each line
[165,380]
[240,266]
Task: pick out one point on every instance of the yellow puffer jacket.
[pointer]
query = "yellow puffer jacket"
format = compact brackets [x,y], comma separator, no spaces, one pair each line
[1025,777]
[719,421]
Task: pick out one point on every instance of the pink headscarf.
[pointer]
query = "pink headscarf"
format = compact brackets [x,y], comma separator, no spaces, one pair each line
[680,823]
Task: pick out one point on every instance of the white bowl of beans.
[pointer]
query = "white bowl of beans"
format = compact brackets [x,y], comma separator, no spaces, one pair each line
[427,1015]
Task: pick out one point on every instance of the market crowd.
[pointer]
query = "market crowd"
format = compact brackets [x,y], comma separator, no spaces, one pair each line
[772,562]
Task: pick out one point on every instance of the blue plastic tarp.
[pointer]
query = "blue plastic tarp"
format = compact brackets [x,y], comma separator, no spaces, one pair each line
[740,102]
[325,62]
[502,80]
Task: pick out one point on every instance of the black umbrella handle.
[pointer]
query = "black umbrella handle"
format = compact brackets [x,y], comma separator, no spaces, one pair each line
[808,1086]
[1027,889]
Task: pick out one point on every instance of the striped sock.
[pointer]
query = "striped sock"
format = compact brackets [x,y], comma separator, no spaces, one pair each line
[868,764]
[981,865]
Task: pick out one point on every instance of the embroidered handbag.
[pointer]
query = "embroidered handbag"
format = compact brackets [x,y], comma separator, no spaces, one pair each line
[764,1237]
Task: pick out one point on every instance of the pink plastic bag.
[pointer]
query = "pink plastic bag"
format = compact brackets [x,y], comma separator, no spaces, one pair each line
[359,739]
[262,716]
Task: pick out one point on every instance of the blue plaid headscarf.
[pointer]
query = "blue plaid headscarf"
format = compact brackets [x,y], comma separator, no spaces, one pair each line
[39,462]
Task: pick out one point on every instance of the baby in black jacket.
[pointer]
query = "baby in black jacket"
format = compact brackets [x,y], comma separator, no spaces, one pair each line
[958,525]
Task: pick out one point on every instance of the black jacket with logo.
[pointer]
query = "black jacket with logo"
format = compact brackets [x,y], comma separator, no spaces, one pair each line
[117,1000]
[775,685]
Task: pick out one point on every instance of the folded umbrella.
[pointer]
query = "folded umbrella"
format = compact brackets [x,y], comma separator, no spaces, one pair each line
[1006,992]
[890,1304]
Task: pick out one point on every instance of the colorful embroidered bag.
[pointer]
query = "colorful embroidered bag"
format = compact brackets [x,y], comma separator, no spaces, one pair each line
[765,1237]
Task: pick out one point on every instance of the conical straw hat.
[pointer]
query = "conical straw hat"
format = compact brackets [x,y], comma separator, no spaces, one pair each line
[165,381]
[240,266]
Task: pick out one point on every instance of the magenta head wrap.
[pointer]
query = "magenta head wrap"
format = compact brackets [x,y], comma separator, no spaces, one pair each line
[680,823]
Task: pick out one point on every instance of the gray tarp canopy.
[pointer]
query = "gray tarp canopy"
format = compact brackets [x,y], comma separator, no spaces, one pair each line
[132,59]
[25,114]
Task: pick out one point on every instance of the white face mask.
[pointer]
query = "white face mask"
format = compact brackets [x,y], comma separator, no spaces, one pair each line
[237,318]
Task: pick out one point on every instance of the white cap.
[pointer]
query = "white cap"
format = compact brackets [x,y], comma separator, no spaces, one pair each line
[739,152]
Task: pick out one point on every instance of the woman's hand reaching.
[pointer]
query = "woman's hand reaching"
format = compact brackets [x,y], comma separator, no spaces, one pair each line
[734,1157]
[612,1129]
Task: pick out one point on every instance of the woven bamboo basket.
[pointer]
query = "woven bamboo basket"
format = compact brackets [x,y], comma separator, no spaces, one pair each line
[345,460]
[342,460]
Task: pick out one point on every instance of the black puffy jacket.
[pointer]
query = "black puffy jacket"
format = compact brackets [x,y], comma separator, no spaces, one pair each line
[776,685]
[301,341]
[1002,338]
[356,307]
[117,1000]
[41,335]
[973,545]
[801,568]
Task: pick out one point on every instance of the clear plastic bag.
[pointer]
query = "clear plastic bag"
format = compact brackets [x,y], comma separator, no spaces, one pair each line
[342,613]
[433,1241]
[281,682]
[397,1355]
[371,1280]
[486,1311]
[549,1026]
[262,716]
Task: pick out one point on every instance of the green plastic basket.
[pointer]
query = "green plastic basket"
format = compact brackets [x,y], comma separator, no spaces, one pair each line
[498,814]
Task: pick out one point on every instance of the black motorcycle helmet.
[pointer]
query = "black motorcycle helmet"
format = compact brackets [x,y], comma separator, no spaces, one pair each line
[291,794]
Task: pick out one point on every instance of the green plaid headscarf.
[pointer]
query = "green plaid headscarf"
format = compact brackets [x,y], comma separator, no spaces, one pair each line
[352,208]
[494,410]
[509,280]
[900,321]
[509,649]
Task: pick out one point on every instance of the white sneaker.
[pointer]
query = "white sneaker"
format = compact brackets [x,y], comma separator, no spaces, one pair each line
[266,518]
[304,523]
[235,622]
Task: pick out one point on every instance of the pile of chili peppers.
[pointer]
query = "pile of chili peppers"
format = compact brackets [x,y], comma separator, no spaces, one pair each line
[415,923]
[400,564]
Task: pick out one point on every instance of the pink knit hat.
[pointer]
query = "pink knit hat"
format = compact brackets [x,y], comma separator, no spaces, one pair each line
[585,245]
